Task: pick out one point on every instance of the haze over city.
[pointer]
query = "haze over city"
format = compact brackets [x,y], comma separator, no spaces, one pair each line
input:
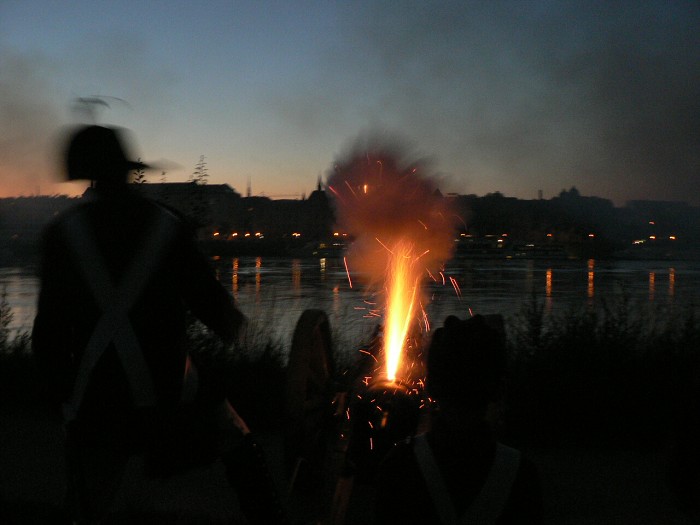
[508,96]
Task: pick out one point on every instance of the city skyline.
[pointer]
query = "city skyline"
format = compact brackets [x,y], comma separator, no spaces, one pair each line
[514,97]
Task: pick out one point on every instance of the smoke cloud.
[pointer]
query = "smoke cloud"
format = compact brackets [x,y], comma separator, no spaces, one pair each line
[385,196]
[521,96]
[29,121]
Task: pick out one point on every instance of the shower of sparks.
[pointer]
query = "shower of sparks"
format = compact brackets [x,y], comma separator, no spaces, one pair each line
[426,321]
[384,199]
[350,188]
[367,352]
[347,271]
[455,285]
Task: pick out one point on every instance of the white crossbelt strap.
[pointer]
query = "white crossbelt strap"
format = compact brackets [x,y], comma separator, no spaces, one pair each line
[115,302]
[494,494]
[433,478]
[491,501]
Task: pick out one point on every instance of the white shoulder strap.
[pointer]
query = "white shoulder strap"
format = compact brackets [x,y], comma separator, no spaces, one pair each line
[493,496]
[115,303]
[434,480]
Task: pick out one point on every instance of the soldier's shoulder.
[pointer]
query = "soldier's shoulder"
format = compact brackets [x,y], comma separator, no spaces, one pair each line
[69,214]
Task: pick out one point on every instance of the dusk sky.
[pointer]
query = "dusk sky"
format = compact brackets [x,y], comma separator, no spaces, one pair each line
[509,96]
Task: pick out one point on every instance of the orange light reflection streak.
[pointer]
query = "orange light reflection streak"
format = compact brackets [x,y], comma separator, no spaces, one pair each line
[671,281]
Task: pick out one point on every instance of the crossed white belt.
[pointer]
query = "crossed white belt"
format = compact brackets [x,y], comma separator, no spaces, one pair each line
[115,301]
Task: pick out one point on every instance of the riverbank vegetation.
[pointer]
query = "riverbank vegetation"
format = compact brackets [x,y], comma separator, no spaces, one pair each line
[618,375]
[18,382]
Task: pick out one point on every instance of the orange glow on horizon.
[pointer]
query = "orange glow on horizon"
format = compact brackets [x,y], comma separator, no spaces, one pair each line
[41,188]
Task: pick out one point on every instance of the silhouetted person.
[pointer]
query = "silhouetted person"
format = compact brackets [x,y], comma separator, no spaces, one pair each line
[457,472]
[685,457]
[119,274]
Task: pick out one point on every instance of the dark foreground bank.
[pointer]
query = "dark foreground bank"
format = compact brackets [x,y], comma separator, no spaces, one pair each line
[582,484]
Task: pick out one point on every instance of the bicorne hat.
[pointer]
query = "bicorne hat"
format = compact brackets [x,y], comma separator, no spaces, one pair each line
[98,153]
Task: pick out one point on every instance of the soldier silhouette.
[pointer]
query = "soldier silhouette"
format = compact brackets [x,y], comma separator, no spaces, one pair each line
[119,275]
[457,472]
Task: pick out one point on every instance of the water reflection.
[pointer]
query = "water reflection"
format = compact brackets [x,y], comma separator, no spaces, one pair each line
[671,283]
[548,290]
[258,278]
[530,276]
[487,286]
[18,290]
[217,270]
[336,300]
[234,278]
[296,276]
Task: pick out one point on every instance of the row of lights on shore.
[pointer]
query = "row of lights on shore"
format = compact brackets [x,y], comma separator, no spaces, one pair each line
[590,236]
[259,235]
[503,235]
[654,238]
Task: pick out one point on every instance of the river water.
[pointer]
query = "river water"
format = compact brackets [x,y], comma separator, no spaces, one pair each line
[273,292]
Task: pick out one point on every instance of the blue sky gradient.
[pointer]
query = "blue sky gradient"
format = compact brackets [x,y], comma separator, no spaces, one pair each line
[510,96]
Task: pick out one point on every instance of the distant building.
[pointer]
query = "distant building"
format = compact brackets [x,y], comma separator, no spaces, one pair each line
[585,226]
[22,219]
[662,219]
[219,212]
[311,218]
[211,208]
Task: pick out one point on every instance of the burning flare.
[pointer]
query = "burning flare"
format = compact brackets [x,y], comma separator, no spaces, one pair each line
[402,284]
[402,229]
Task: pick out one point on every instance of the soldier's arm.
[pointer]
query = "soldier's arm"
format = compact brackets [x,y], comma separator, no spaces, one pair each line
[208,300]
[51,332]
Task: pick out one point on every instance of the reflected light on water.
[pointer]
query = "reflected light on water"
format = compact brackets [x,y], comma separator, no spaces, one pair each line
[336,300]
[591,278]
[322,265]
[234,277]
[488,286]
[548,289]
[258,278]
[671,282]
[217,270]
[296,276]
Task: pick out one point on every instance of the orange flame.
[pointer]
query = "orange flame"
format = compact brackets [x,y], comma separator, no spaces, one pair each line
[402,229]
[402,286]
